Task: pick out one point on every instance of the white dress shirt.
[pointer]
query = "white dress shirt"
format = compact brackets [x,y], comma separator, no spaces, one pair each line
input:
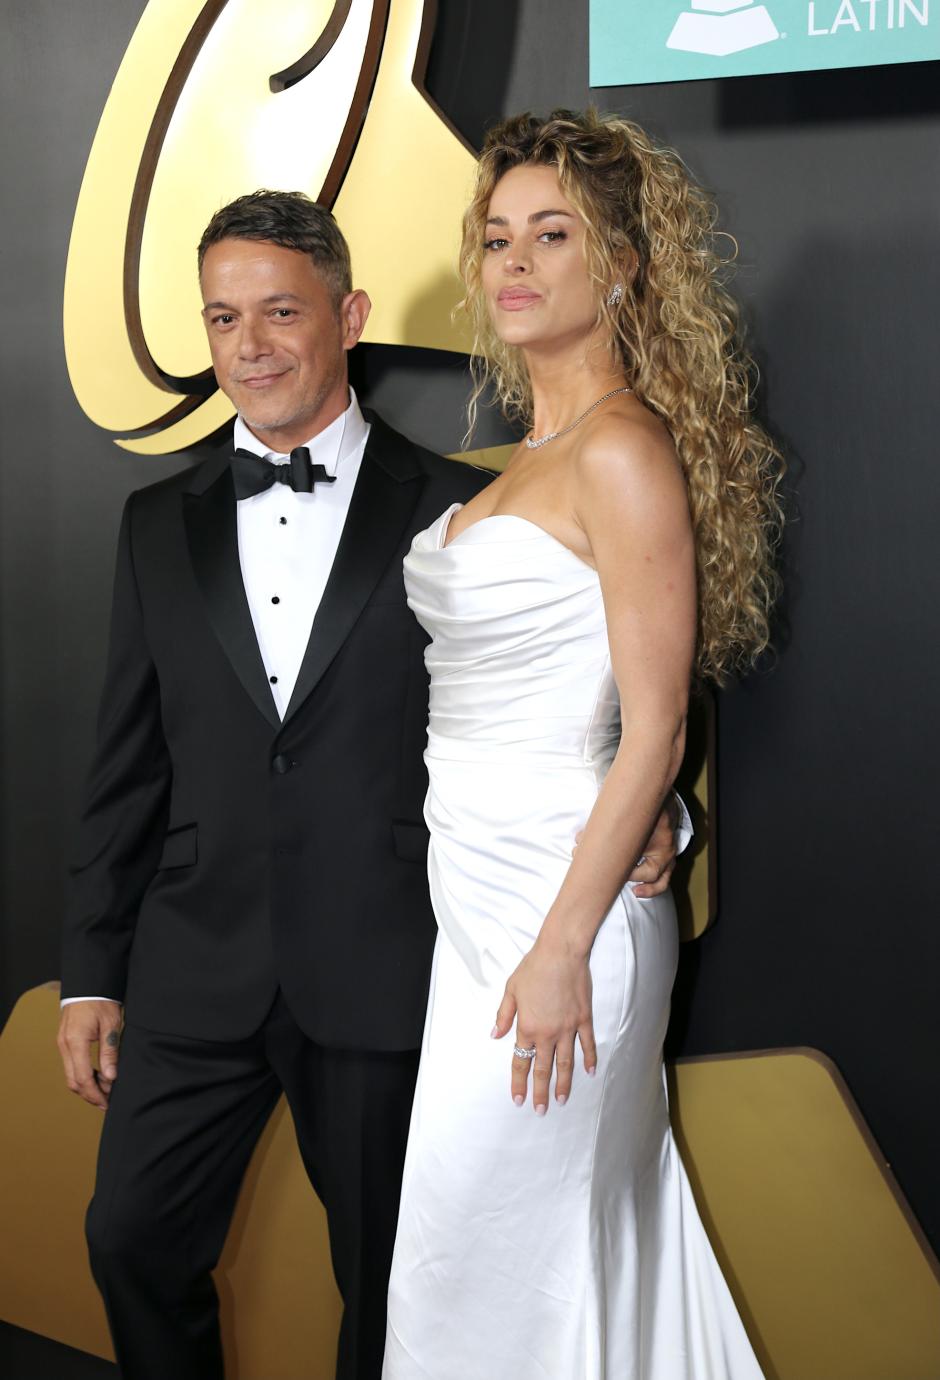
[286,547]
[287,544]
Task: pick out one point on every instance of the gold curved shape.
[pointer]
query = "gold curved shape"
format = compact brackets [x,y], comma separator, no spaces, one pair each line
[830,1270]
[205,383]
[402,201]
[297,138]
[332,29]
[191,122]
[109,383]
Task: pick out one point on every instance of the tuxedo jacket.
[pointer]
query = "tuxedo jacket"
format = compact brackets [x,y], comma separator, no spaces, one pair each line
[222,852]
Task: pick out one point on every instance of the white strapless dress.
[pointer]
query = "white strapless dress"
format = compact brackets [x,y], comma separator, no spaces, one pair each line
[563,1247]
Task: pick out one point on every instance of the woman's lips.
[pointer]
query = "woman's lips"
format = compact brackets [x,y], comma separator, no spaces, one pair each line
[515,300]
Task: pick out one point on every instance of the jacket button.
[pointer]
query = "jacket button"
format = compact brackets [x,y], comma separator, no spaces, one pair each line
[282,764]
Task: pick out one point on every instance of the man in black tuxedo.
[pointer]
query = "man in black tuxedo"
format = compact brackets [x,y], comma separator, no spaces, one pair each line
[250,889]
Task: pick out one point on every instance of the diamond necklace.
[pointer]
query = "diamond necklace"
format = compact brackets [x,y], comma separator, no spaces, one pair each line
[534,444]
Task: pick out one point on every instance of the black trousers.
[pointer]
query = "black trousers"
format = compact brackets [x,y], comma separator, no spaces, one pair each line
[184,1118]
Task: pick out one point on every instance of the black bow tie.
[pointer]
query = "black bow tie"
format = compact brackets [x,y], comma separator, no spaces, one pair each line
[252,475]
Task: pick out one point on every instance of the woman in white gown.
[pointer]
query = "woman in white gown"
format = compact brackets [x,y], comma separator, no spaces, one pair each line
[547,1229]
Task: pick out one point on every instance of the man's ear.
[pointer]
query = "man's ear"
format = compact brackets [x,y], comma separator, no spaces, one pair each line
[354,313]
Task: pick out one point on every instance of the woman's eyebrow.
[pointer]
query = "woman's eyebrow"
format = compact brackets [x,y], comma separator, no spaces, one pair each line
[533,219]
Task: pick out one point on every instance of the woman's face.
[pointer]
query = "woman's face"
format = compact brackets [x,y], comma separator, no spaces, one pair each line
[534,275]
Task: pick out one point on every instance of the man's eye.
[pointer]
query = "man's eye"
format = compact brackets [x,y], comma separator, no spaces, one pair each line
[223,319]
[496,243]
[283,312]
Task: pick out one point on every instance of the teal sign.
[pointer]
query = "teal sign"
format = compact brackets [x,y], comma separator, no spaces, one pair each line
[635,41]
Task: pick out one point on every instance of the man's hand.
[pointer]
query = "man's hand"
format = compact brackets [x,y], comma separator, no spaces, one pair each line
[654,867]
[83,1024]
[651,875]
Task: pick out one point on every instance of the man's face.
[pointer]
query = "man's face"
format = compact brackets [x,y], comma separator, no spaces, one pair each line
[278,338]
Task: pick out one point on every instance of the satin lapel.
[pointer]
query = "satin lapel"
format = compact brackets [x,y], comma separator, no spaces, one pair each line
[384,499]
[212,534]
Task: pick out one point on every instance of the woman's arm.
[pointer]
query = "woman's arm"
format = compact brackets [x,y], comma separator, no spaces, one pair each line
[630,500]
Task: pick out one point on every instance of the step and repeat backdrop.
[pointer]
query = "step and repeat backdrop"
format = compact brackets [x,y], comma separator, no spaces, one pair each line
[816,124]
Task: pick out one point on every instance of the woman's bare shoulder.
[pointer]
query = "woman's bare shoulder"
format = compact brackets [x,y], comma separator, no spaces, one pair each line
[623,450]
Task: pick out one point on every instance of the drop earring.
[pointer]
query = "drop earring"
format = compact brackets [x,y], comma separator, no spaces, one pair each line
[615,296]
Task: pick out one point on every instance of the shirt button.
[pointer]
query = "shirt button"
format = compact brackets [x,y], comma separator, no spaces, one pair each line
[275,600]
[283,522]
[273,680]
[282,764]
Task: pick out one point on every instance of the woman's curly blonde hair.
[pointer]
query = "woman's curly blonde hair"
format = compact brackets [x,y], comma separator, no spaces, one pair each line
[676,335]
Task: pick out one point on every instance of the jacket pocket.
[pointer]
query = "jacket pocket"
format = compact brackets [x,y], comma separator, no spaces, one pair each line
[179,847]
[411,841]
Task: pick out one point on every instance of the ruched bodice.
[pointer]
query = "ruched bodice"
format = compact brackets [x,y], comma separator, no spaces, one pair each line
[519,659]
[563,1247]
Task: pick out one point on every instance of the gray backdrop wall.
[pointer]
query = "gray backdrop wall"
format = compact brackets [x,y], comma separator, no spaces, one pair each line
[827,932]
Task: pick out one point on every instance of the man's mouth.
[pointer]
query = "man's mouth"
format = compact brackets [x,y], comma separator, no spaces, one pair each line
[260,381]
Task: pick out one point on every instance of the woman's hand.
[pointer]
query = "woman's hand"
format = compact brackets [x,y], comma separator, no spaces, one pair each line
[549,996]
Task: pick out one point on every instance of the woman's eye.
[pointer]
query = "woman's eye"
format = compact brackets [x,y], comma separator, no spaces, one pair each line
[553,236]
[496,243]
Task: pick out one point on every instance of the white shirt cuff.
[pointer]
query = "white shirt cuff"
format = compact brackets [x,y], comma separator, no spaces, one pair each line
[684,831]
[67,1001]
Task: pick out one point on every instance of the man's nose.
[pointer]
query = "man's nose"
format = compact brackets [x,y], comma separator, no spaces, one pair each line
[252,340]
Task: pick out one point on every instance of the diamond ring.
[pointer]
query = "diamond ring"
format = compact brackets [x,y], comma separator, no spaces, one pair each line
[521,1053]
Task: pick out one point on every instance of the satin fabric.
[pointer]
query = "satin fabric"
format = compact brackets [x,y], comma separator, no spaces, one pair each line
[563,1247]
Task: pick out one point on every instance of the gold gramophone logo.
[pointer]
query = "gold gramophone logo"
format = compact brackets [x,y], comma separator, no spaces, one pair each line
[215,99]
